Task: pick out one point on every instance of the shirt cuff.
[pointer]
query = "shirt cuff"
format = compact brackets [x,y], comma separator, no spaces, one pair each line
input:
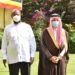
[62,52]
[4,57]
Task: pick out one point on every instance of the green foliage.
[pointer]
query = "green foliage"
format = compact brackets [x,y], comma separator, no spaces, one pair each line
[66,8]
[1,34]
[72,42]
[71,37]
[29,8]
[51,6]
[38,27]
[27,0]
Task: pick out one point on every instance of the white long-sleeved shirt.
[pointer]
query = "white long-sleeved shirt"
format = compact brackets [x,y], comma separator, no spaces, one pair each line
[18,43]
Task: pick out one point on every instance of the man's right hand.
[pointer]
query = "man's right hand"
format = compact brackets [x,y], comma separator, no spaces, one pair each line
[4,62]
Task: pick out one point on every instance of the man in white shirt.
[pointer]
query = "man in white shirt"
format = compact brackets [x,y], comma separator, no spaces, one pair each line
[18,45]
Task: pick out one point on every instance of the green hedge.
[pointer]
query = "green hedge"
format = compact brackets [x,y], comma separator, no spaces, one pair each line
[71,37]
[72,42]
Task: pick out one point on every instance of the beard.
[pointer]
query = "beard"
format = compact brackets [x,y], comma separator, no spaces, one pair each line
[17,22]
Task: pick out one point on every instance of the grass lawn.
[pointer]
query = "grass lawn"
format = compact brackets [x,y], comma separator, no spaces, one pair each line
[34,67]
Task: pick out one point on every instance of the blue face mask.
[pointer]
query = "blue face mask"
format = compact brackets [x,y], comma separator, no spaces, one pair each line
[55,23]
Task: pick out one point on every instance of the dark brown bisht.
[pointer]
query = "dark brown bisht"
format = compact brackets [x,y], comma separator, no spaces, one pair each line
[47,49]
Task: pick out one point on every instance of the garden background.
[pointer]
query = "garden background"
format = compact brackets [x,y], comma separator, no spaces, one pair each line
[37,13]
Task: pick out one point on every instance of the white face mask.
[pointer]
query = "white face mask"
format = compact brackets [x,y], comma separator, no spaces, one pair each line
[16,18]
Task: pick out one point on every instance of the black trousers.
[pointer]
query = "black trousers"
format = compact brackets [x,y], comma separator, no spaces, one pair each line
[23,66]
